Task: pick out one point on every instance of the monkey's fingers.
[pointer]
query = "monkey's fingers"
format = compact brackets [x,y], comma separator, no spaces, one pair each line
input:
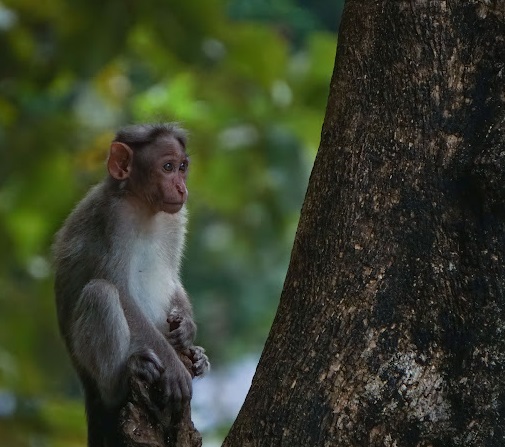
[201,363]
[201,367]
[175,337]
[174,322]
[178,387]
[146,365]
[180,339]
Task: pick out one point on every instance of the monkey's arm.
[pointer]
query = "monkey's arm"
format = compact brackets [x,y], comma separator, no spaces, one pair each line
[149,345]
[100,337]
[112,339]
[181,331]
[181,328]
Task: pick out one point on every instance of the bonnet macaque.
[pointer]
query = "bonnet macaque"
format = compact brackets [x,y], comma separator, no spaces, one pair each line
[122,310]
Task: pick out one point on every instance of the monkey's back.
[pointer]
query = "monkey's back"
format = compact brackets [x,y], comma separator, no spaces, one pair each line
[77,250]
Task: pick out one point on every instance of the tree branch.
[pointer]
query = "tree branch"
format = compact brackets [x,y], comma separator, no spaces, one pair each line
[142,423]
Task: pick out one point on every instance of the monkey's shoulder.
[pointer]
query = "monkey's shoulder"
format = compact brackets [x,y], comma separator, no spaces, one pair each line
[88,226]
[95,206]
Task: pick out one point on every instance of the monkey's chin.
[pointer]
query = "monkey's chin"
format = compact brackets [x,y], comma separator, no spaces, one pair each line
[172,208]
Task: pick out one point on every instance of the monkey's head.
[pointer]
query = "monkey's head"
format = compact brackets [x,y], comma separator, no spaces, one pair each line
[151,164]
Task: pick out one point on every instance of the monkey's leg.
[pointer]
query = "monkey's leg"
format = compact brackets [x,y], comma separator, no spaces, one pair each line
[101,337]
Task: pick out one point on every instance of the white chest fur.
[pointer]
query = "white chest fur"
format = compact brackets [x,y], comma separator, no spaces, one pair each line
[156,251]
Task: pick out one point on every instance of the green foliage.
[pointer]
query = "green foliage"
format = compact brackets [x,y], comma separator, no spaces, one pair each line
[73,71]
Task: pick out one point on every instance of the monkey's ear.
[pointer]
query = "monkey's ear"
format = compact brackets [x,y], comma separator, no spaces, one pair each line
[120,160]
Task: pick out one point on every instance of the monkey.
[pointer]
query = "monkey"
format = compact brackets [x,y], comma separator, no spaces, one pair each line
[121,307]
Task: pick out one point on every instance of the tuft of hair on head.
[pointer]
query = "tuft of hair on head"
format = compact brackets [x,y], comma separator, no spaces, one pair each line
[137,136]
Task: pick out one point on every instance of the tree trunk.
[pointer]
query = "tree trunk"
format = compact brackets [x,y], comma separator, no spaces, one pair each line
[391,326]
[142,423]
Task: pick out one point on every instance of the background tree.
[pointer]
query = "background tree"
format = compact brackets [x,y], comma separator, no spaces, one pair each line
[390,326]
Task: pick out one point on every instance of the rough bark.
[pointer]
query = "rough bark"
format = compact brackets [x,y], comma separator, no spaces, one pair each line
[391,325]
[142,423]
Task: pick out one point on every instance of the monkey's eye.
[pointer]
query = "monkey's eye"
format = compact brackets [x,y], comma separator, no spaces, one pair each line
[169,167]
[183,167]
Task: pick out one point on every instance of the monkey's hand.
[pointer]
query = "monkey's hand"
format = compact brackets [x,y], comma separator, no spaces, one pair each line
[146,365]
[175,383]
[182,331]
[200,361]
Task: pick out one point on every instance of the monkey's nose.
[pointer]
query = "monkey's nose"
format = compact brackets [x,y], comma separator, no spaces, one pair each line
[181,189]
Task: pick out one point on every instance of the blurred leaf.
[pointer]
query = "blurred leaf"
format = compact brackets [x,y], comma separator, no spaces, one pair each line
[261,66]
[65,418]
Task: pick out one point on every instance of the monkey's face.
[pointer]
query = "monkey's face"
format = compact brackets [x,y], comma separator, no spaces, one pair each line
[158,175]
